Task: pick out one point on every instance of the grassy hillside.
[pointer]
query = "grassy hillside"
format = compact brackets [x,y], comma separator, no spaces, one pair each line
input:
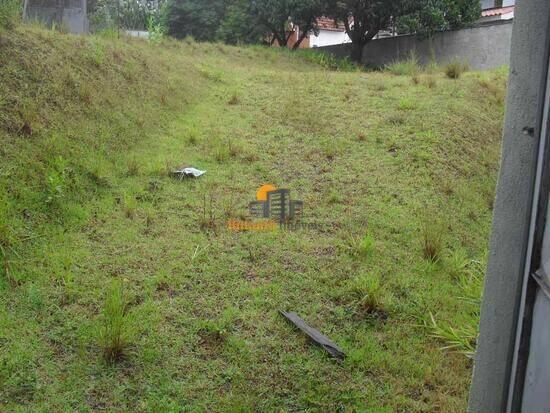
[101,250]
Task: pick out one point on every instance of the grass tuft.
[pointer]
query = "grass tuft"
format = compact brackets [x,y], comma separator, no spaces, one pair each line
[456,264]
[433,241]
[117,329]
[360,246]
[130,206]
[455,69]
[234,99]
[408,67]
[458,339]
[462,338]
[327,60]
[369,294]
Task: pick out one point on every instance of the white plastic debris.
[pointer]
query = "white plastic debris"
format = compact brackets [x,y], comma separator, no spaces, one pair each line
[188,173]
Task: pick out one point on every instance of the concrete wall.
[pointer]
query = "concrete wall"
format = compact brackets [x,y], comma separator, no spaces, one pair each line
[512,215]
[483,47]
[70,14]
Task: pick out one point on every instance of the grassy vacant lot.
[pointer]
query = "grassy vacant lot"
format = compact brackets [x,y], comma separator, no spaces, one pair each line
[102,251]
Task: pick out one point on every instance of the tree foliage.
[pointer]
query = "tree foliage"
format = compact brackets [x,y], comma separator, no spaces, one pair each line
[240,25]
[254,21]
[198,18]
[123,14]
[363,19]
[431,16]
[279,17]
[244,21]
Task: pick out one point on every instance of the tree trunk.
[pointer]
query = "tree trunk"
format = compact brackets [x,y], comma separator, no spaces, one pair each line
[25,7]
[357,52]
[303,35]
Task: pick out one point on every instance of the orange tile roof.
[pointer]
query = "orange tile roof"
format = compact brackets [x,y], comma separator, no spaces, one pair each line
[326,23]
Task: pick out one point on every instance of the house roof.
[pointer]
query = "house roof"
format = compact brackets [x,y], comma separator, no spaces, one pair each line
[326,23]
[497,11]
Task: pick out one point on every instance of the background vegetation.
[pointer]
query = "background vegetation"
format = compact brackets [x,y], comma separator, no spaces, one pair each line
[272,21]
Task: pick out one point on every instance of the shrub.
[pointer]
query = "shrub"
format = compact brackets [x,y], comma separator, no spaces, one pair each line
[116,331]
[156,29]
[455,69]
[10,11]
[432,241]
[409,67]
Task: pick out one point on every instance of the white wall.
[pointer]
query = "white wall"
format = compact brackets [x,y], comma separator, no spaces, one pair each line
[328,38]
[487,4]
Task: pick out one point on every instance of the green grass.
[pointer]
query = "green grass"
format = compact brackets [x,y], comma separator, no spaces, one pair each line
[90,129]
[10,11]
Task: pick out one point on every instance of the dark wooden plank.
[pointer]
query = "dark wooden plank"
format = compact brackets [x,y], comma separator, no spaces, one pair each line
[316,336]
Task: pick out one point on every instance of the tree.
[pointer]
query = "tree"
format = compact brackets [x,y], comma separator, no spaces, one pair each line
[278,17]
[198,18]
[431,16]
[305,17]
[363,19]
[240,26]
[123,14]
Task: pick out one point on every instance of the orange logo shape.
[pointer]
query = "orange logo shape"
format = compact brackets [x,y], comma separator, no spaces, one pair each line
[261,194]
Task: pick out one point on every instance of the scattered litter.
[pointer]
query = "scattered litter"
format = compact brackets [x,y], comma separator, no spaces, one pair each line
[188,173]
[315,335]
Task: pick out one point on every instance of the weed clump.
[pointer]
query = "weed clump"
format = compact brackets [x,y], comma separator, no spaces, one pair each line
[369,294]
[457,264]
[432,241]
[462,338]
[234,99]
[117,332]
[327,60]
[455,69]
[430,81]
[334,197]
[408,67]
[130,206]
[132,167]
[5,240]
[214,333]
[360,247]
